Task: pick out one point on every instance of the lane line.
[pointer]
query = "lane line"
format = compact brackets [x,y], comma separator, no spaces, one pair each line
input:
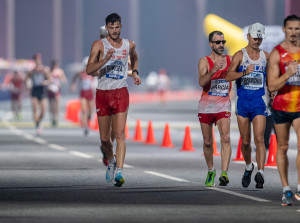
[127,166]
[238,194]
[166,176]
[57,147]
[80,154]
[40,141]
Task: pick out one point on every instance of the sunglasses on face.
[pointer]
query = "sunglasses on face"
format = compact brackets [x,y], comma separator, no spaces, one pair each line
[219,41]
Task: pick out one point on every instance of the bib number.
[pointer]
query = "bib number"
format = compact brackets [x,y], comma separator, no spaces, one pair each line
[295,79]
[253,81]
[115,70]
[219,87]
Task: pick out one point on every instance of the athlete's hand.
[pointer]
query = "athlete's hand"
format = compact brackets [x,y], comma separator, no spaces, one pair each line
[250,69]
[292,68]
[219,64]
[109,54]
[137,79]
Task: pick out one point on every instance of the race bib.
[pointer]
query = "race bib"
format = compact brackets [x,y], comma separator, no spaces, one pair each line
[295,79]
[253,81]
[115,70]
[219,87]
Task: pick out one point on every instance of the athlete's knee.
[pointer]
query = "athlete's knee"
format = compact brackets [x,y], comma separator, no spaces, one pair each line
[208,143]
[246,142]
[283,148]
[225,139]
[259,140]
[120,135]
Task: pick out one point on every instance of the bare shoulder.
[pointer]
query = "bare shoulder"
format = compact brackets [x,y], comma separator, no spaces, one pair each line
[203,61]
[131,44]
[266,54]
[274,56]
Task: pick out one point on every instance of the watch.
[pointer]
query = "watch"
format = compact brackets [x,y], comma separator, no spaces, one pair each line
[137,72]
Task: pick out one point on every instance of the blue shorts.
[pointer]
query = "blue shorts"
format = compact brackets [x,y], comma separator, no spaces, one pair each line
[249,108]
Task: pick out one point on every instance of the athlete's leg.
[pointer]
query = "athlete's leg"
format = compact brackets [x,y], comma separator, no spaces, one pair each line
[283,135]
[56,108]
[112,134]
[42,104]
[90,109]
[208,144]
[245,132]
[259,125]
[118,124]
[34,102]
[296,125]
[51,101]
[224,129]
[104,123]
[84,113]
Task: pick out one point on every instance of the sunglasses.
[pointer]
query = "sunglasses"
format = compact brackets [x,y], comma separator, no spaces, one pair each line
[219,41]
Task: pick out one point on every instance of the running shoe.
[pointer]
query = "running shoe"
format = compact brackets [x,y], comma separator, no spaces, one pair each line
[287,198]
[210,179]
[223,180]
[259,179]
[110,172]
[247,177]
[104,159]
[297,195]
[119,179]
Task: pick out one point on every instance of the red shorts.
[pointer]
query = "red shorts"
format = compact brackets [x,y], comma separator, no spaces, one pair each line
[209,118]
[87,94]
[111,102]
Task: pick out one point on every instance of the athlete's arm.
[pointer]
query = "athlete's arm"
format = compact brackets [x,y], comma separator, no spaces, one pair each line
[276,82]
[94,64]
[134,62]
[232,72]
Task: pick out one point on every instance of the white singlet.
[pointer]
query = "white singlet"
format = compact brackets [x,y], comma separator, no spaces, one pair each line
[114,73]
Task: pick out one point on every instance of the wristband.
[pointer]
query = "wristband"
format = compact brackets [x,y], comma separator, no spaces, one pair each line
[137,72]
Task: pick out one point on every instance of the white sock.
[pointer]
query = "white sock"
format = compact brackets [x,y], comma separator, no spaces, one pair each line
[286,189]
[211,169]
[261,172]
[249,167]
[112,161]
[119,170]
[298,187]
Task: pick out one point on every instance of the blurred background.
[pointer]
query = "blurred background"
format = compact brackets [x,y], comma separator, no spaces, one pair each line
[169,34]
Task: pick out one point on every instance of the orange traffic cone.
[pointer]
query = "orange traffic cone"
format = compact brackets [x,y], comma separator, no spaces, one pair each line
[272,151]
[239,155]
[167,142]
[150,135]
[138,137]
[72,111]
[127,132]
[187,142]
[215,144]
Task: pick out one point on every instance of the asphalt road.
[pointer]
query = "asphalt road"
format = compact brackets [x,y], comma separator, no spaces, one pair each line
[59,176]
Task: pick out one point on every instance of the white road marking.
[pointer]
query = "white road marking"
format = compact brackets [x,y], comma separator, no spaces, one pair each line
[166,176]
[127,166]
[29,137]
[82,155]
[57,147]
[40,141]
[238,194]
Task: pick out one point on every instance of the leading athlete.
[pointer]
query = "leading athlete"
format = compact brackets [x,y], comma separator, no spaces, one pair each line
[109,61]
